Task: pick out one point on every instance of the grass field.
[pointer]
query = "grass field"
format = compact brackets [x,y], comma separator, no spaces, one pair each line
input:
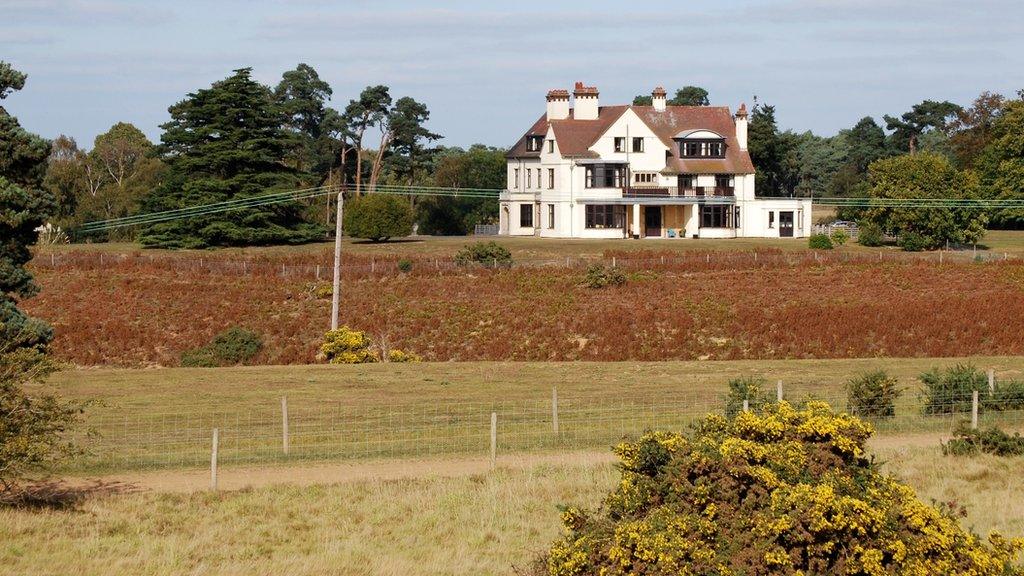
[164,418]
[453,525]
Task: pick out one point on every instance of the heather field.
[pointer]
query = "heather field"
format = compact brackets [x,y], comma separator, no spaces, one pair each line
[138,308]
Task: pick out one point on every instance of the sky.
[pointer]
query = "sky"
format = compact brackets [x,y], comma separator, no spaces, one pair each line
[483,68]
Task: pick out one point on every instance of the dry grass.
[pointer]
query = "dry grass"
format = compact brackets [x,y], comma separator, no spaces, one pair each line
[472,524]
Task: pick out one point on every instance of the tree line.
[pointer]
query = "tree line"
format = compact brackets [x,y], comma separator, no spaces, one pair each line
[238,139]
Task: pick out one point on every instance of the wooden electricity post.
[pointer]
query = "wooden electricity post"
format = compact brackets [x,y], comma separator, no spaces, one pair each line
[336,292]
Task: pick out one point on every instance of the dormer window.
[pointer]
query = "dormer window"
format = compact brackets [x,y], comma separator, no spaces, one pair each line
[700,144]
[534,143]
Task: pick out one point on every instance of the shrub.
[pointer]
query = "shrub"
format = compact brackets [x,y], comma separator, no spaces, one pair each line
[488,254]
[912,242]
[1008,395]
[230,347]
[405,265]
[378,217]
[749,388]
[870,234]
[347,346]
[839,237]
[784,491]
[401,356]
[969,442]
[599,276]
[950,391]
[873,394]
[820,242]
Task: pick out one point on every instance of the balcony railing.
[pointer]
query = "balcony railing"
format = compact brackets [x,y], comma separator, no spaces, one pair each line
[700,191]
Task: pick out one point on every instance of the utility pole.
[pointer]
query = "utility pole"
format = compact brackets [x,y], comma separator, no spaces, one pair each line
[336,293]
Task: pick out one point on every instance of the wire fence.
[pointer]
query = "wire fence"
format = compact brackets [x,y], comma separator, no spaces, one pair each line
[317,268]
[281,430]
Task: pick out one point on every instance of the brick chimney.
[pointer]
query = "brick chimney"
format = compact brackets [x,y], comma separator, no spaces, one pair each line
[741,126]
[585,106]
[558,104]
[658,99]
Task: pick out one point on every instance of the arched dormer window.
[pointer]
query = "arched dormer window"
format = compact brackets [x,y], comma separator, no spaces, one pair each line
[700,144]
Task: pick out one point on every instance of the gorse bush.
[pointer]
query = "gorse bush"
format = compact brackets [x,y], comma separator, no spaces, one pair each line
[600,276]
[873,395]
[819,242]
[969,442]
[869,234]
[1008,395]
[405,265]
[230,347]
[348,346]
[783,492]
[749,388]
[951,390]
[489,254]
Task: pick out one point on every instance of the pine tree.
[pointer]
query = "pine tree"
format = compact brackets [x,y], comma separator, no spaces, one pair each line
[227,142]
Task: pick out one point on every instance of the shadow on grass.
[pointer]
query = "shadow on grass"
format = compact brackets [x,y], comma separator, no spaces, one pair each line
[59,495]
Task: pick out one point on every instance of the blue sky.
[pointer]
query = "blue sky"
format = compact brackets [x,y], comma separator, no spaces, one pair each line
[483,67]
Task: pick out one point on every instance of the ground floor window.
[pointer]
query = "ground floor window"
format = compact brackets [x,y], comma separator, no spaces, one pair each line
[719,217]
[551,215]
[526,215]
[606,216]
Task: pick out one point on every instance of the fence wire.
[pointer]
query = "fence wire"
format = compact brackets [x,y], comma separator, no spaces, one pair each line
[333,431]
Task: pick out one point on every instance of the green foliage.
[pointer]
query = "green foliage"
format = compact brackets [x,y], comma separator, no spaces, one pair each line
[1008,395]
[869,234]
[378,217]
[950,391]
[969,442]
[749,388]
[873,395]
[405,265]
[690,96]
[819,242]
[480,167]
[33,427]
[230,347]
[600,276]
[488,254]
[24,206]
[1001,164]
[973,128]
[928,116]
[925,175]
[224,143]
[912,242]
[784,491]
[839,237]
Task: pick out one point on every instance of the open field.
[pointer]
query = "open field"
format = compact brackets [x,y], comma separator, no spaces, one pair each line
[163,418]
[696,305]
[488,523]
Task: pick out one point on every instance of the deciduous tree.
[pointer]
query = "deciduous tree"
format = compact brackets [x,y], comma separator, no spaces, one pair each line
[1001,163]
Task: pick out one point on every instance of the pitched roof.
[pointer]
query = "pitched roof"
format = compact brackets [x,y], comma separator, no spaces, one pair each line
[575,137]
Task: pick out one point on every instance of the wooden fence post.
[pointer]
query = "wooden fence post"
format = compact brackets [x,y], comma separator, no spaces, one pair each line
[318,272]
[554,409]
[494,440]
[778,391]
[991,382]
[613,261]
[746,405]
[373,266]
[974,410]
[213,459]
[284,424]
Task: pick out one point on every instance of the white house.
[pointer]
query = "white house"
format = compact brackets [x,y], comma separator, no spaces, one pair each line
[592,171]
